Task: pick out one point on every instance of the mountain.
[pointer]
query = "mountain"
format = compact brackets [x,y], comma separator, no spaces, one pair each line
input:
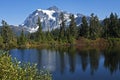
[50,19]
[18,29]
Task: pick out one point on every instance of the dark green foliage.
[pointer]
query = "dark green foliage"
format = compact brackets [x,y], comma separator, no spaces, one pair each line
[105,28]
[55,34]
[32,36]
[1,41]
[114,41]
[62,27]
[70,38]
[112,26]
[94,28]
[39,33]
[72,26]
[49,36]
[84,28]
[7,34]
[22,39]
[71,31]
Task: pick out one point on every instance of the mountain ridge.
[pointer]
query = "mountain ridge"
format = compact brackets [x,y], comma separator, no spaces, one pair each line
[50,19]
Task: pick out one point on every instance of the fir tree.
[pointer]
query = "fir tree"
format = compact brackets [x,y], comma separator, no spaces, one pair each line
[39,33]
[71,31]
[84,28]
[94,29]
[22,38]
[72,26]
[6,33]
[106,22]
[62,27]
[112,26]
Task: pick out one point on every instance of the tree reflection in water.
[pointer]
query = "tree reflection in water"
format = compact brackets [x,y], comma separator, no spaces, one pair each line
[64,61]
[90,57]
[112,59]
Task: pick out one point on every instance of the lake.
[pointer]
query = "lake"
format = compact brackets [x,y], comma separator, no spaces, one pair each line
[72,63]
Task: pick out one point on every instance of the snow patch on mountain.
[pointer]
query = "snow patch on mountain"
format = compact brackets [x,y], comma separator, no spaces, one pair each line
[75,16]
[36,14]
[32,30]
[48,12]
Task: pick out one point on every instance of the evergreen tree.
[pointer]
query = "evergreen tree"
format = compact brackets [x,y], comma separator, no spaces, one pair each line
[48,35]
[98,27]
[55,34]
[72,27]
[6,33]
[106,22]
[72,30]
[22,39]
[39,33]
[118,31]
[69,37]
[84,28]
[94,29]
[1,41]
[62,27]
[112,26]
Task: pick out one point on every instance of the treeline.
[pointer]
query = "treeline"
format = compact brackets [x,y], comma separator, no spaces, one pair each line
[90,29]
[108,28]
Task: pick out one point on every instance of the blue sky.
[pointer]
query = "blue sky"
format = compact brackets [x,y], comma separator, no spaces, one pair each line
[15,11]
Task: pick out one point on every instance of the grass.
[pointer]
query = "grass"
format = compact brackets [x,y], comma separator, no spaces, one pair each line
[11,70]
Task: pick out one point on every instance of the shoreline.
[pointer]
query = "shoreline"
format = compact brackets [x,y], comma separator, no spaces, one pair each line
[81,43]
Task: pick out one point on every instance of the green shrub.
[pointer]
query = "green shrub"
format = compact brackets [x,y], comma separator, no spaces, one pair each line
[114,41]
[11,70]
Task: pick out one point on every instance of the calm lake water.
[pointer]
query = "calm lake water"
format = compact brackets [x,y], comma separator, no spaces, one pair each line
[72,63]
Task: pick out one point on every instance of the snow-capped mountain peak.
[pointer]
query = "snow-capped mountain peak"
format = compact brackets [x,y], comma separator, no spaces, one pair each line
[50,18]
[47,12]
[54,8]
